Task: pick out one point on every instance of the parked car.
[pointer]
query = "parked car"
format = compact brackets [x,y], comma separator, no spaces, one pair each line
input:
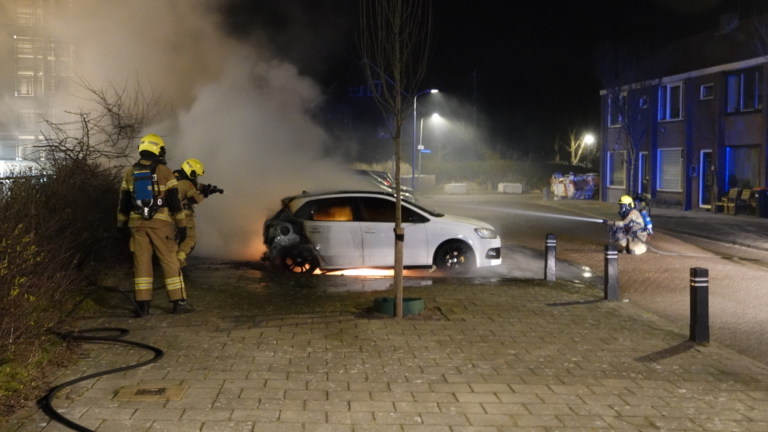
[385,181]
[342,230]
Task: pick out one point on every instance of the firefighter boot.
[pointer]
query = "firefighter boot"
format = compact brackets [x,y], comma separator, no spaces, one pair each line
[181,307]
[143,308]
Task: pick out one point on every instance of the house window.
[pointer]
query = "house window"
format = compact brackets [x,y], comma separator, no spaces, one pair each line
[707,91]
[616,169]
[744,91]
[742,167]
[615,109]
[671,170]
[671,102]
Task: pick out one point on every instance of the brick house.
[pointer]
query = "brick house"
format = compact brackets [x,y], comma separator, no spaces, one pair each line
[697,123]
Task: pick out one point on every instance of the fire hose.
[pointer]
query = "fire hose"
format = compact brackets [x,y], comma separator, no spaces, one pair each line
[46,402]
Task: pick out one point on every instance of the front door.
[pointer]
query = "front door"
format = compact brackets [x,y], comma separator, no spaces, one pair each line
[706,179]
[377,224]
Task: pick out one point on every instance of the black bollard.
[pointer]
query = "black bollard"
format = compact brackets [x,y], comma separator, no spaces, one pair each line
[611,286]
[699,305]
[549,265]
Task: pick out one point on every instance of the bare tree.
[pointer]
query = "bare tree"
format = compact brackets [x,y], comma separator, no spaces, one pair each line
[394,41]
[576,145]
[106,133]
[629,76]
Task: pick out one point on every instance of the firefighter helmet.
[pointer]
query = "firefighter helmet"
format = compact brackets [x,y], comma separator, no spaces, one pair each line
[193,168]
[626,204]
[153,144]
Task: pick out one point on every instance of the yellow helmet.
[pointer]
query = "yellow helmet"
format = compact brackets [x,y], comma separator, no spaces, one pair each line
[626,204]
[626,199]
[152,143]
[193,168]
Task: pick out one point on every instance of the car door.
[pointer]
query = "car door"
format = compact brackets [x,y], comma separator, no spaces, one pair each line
[377,223]
[330,225]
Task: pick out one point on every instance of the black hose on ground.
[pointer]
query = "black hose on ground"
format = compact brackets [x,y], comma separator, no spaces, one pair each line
[46,402]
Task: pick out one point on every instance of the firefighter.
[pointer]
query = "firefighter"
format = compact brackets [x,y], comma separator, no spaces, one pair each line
[150,210]
[630,233]
[190,197]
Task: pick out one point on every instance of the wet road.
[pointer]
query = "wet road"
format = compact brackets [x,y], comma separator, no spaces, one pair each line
[657,281]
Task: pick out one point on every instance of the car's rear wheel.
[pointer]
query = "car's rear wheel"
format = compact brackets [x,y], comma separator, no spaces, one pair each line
[454,258]
[299,259]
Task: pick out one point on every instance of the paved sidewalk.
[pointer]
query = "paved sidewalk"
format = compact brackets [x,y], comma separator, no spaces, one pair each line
[504,356]
[740,230]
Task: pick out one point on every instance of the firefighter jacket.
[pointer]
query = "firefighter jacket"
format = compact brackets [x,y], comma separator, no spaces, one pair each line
[188,193]
[634,226]
[170,211]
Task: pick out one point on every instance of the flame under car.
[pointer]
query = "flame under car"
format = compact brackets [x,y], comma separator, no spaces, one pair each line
[344,230]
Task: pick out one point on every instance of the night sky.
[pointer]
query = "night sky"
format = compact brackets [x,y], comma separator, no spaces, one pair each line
[527,66]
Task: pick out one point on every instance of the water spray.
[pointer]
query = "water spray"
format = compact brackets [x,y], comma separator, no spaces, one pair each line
[530,213]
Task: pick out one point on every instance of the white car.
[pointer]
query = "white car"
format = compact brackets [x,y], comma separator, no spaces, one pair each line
[343,230]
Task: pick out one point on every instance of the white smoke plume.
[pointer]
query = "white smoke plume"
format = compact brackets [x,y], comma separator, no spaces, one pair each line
[242,112]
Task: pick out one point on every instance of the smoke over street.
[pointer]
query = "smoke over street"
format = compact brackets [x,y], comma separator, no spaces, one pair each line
[239,109]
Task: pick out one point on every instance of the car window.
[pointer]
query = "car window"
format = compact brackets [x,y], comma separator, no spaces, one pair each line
[383,210]
[328,209]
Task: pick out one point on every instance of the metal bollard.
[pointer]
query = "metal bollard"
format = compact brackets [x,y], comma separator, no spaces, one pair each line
[546,194]
[611,286]
[699,330]
[549,265]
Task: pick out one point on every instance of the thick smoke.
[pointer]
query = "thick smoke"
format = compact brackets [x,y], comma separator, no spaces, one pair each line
[252,132]
[239,110]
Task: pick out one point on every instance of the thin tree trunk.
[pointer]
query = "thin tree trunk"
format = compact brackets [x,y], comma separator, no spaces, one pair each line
[399,236]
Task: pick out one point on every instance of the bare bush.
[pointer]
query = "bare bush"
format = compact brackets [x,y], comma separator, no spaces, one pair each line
[105,134]
[56,225]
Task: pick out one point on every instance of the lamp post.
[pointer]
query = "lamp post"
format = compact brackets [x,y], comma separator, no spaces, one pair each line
[421,138]
[413,144]
[589,139]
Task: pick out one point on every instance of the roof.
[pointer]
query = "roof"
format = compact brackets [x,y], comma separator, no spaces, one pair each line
[738,46]
[715,48]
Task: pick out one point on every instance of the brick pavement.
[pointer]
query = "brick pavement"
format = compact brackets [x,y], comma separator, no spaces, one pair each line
[508,356]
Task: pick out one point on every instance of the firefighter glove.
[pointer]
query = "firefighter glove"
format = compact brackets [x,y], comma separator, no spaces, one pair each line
[122,233]
[181,234]
[205,189]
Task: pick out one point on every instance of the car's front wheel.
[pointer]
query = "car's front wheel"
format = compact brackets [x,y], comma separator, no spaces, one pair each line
[454,258]
[299,259]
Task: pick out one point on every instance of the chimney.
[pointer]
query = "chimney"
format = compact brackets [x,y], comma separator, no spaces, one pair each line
[728,22]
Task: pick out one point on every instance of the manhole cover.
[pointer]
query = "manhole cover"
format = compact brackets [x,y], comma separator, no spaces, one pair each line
[144,393]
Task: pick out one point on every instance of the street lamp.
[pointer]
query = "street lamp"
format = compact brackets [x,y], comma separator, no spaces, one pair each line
[413,144]
[421,138]
[589,139]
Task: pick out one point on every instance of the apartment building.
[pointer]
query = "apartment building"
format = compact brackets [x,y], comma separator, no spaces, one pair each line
[35,74]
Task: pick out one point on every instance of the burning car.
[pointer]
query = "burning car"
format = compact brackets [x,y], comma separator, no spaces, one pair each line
[344,230]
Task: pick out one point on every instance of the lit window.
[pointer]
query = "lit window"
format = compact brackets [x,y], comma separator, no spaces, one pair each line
[744,91]
[671,170]
[616,169]
[671,102]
